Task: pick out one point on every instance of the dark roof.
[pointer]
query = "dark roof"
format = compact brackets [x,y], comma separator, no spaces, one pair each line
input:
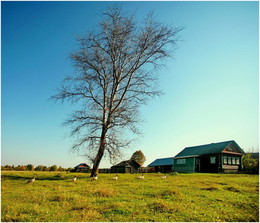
[82,165]
[208,149]
[162,162]
[127,163]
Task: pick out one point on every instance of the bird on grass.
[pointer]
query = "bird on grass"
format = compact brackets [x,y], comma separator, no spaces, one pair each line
[141,177]
[74,179]
[31,180]
[94,178]
[163,177]
[115,178]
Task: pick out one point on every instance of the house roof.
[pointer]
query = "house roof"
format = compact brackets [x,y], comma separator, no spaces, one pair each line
[208,149]
[162,162]
[82,165]
[127,163]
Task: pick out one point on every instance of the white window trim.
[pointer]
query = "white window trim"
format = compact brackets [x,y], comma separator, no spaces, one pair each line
[181,161]
[212,160]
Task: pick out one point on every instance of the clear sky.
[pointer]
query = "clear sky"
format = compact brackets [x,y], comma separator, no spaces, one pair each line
[211,87]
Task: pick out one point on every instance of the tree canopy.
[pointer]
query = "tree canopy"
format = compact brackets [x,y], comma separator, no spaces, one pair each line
[114,75]
[139,157]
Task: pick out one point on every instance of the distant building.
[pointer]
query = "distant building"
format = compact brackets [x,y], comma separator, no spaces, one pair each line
[128,166]
[83,167]
[162,165]
[210,158]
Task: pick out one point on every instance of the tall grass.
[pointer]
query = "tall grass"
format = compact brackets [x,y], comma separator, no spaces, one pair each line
[183,198]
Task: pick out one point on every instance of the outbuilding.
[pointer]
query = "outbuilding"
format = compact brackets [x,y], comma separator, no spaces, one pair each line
[210,158]
[127,166]
[83,167]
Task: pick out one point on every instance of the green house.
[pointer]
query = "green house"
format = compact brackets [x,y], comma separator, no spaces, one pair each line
[211,158]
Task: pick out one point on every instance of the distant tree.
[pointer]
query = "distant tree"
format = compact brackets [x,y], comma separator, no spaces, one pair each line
[30,167]
[45,168]
[250,164]
[17,168]
[6,167]
[60,168]
[22,168]
[69,169]
[115,74]
[139,157]
[53,168]
[39,168]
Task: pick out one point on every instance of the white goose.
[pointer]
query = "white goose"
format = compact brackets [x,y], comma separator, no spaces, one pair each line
[163,177]
[115,178]
[31,180]
[141,177]
[94,178]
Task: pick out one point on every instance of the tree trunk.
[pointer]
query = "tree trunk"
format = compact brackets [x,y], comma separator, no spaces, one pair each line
[99,156]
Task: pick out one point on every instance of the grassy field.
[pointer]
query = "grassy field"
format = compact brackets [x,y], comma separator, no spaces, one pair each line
[183,198]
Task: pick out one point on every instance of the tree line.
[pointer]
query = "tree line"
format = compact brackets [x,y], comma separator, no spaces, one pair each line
[30,167]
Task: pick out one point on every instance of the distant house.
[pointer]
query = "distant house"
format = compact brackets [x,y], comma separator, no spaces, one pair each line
[162,165]
[83,167]
[210,158]
[128,166]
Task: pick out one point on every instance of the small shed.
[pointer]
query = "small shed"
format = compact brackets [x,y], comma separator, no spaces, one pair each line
[210,158]
[83,167]
[127,166]
[162,165]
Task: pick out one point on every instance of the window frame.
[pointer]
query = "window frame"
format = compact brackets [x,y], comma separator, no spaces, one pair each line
[225,160]
[181,161]
[213,160]
[229,160]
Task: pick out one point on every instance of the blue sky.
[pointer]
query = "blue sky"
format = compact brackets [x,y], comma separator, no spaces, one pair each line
[210,88]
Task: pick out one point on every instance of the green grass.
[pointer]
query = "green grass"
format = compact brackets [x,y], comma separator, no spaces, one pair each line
[184,198]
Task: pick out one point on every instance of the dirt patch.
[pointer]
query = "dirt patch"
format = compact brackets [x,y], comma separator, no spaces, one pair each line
[210,188]
[233,189]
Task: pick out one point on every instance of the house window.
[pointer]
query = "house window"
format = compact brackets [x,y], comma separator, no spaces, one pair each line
[212,159]
[181,161]
[229,160]
[237,161]
[224,160]
[233,160]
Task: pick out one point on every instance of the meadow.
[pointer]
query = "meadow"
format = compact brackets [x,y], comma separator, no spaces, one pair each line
[53,197]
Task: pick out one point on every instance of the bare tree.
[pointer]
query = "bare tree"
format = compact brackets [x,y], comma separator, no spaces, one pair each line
[115,74]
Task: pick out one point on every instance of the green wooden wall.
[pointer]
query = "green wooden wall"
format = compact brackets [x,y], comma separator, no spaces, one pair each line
[188,167]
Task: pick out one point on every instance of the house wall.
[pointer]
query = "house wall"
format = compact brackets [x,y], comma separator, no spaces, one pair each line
[117,169]
[163,169]
[207,166]
[188,167]
[229,163]
[124,169]
[82,169]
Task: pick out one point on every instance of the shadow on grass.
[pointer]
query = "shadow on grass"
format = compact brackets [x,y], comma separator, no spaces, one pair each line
[11,177]
[41,178]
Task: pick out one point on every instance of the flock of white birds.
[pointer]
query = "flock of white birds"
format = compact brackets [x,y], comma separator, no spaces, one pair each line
[74,179]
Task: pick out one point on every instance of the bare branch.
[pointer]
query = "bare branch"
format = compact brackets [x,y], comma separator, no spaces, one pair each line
[114,75]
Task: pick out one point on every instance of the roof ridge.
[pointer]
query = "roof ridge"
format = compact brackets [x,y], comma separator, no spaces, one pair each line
[209,144]
[165,158]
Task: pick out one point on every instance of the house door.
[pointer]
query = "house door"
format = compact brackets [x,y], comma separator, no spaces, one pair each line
[128,169]
[197,165]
